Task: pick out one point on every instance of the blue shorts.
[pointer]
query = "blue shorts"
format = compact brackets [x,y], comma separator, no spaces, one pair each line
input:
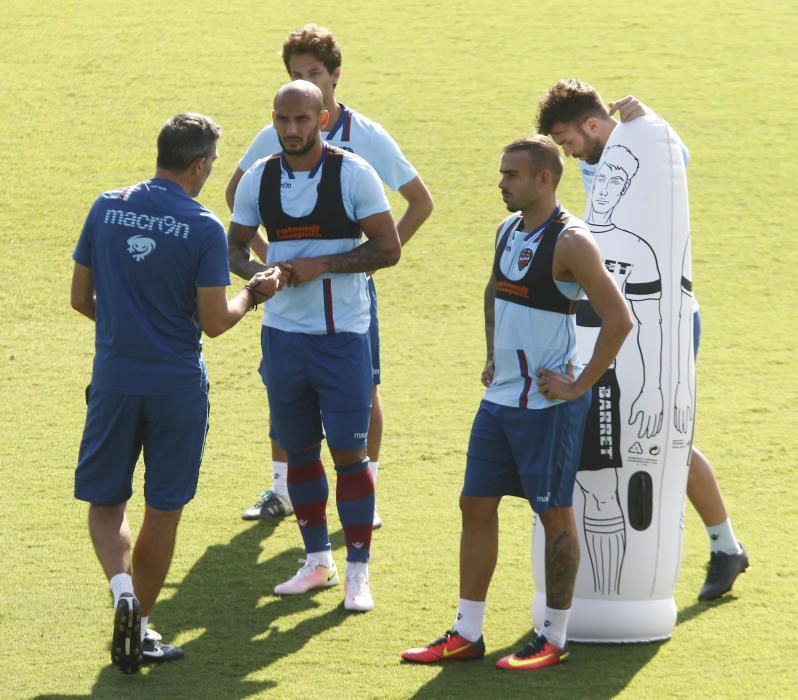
[170,429]
[374,334]
[529,453]
[317,384]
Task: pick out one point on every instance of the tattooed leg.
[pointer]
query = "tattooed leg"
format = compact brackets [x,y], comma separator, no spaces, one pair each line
[562,556]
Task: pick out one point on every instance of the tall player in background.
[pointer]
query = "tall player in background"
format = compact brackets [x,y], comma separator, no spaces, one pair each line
[311,53]
[576,117]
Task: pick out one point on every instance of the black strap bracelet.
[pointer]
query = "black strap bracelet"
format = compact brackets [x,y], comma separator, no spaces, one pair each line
[253,298]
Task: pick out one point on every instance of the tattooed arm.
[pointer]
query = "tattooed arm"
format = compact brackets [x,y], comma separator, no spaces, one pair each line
[239,238]
[382,249]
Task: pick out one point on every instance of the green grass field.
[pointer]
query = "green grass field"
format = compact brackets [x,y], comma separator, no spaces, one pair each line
[85,88]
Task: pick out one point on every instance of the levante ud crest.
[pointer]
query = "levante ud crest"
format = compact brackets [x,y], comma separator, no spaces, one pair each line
[524,258]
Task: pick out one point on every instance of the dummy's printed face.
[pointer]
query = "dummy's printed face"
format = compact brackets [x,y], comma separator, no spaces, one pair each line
[577,142]
[305,66]
[297,124]
[518,185]
[608,186]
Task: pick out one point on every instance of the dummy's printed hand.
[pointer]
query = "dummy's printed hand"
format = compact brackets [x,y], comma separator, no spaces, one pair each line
[487,374]
[683,408]
[267,283]
[628,108]
[558,386]
[303,270]
[650,418]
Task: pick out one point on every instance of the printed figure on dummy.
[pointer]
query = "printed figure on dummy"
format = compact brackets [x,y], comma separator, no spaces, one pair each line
[633,265]
[633,466]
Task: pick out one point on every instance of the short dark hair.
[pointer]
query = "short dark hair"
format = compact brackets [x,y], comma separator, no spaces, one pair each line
[569,101]
[315,40]
[544,154]
[184,138]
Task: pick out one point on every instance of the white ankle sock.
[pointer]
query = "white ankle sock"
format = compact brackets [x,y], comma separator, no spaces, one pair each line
[120,583]
[722,539]
[324,558]
[144,621]
[280,479]
[470,618]
[555,626]
[374,467]
[357,567]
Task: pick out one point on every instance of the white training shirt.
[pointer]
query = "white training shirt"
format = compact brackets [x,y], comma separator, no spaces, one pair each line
[302,309]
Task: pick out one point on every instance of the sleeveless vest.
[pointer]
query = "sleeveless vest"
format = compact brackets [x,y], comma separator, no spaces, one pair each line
[536,289]
[328,220]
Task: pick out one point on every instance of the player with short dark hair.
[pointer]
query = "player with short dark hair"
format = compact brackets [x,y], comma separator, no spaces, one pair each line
[527,433]
[314,200]
[151,271]
[312,53]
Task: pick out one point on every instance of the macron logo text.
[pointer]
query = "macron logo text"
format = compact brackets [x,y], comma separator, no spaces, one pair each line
[167,225]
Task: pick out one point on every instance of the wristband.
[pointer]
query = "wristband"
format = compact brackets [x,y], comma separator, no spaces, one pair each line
[253,298]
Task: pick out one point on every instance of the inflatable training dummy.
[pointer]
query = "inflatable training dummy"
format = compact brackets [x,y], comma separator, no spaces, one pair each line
[630,488]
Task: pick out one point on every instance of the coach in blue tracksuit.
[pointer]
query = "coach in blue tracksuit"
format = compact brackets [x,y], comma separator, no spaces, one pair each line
[151,271]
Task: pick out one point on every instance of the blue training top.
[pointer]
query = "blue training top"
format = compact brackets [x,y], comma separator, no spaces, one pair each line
[149,246]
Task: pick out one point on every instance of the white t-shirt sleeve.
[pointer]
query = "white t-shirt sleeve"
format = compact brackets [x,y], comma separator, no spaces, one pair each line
[362,189]
[245,207]
[264,144]
[644,281]
[385,156]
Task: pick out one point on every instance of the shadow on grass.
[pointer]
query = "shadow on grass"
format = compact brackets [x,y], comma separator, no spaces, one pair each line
[597,671]
[691,612]
[225,608]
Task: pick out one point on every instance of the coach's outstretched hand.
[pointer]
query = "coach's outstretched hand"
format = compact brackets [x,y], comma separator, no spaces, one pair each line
[267,283]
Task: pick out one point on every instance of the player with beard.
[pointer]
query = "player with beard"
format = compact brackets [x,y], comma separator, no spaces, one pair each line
[315,202]
[312,53]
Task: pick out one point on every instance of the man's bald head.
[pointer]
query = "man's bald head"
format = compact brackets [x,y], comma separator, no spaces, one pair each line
[300,92]
[299,116]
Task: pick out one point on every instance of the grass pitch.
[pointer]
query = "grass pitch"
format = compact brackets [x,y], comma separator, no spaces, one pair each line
[86,86]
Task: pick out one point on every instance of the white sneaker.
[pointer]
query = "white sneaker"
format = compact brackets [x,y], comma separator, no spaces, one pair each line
[377,522]
[357,595]
[311,575]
